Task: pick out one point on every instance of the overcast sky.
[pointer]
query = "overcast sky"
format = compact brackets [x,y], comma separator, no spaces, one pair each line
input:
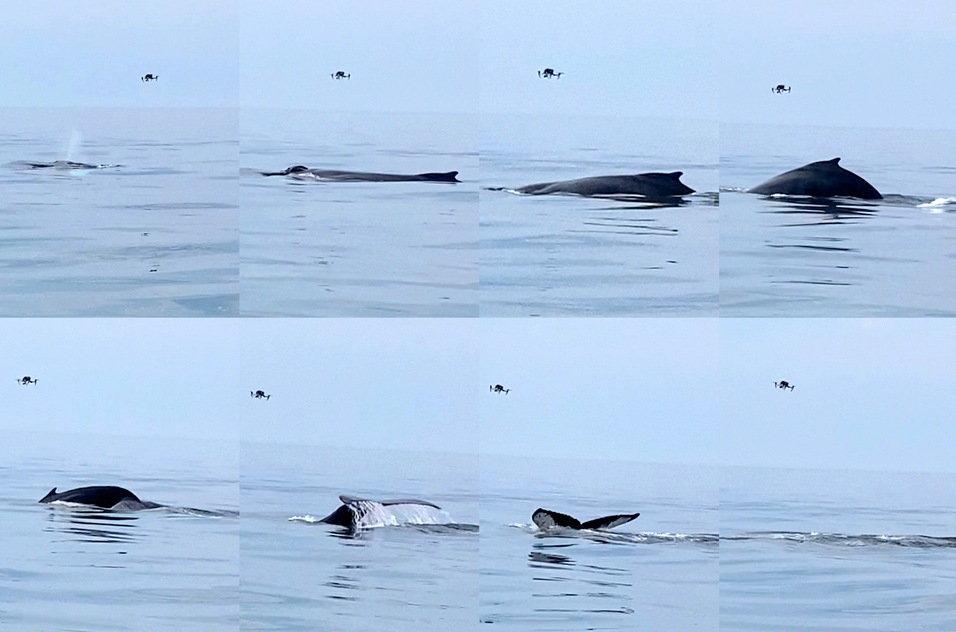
[853,63]
[409,56]
[869,393]
[167,377]
[647,58]
[406,383]
[65,53]
[638,389]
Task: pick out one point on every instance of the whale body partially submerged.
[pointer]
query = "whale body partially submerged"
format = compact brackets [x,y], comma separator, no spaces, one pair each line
[105,497]
[66,164]
[357,512]
[825,178]
[327,175]
[649,185]
[548,520]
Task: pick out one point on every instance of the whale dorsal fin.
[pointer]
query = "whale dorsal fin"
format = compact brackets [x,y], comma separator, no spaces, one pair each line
[609,522]
[675,175]
[49,496]
[834,161]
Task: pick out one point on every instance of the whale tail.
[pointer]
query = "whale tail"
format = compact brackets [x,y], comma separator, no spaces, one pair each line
[546,519]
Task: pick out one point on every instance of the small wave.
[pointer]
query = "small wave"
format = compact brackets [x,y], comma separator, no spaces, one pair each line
[840,539]
[938,202]
[613,537]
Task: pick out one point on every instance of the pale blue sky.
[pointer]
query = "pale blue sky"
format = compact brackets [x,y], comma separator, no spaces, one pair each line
[66,53]
[409,56]
[853,63]
[135,377]
[645,58]
[405,383]
[869,393]
[638,389]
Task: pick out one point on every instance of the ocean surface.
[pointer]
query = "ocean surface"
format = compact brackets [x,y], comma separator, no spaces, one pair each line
[301,575]
[70,568]
[837,551]
[355,249]
[785,256]
[153,233]
[658,572]
[560,255]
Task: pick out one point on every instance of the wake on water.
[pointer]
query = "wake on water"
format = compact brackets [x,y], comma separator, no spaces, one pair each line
[845,540]
[619,537]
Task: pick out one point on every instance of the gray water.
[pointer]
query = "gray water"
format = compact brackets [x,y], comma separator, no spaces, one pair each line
[794,257]
[572,256]
[69,568]
[658,572]
[154,236]
[301,575]
[359,248]
[837,551]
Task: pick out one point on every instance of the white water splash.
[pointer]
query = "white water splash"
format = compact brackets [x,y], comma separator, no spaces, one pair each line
[938,202]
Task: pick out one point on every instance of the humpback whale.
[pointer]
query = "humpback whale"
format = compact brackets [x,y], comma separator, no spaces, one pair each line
[65,164]
[649,185]
[107,497]
[546,519]
[354,511]
[299,171]
[825,178]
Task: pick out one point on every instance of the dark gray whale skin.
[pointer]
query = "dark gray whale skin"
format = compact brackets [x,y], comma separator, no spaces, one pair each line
[650,185]
[106,497]
[350,513]
[360,176]
[547,519]
[64,164]
[825,178]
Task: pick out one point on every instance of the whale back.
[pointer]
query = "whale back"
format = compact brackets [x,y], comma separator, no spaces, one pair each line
[649,185]
[106,497]
[825,178]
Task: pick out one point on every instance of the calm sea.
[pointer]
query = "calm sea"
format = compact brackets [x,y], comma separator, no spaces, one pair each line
[154,236]
[173,568]
[298,575]
[837,550]
[792,257]
[359,248]
[573,256]
[658,572]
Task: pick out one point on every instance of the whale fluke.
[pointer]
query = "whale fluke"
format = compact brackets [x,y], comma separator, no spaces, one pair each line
[106,497]
[353,510]
[825,178]
[546,519]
